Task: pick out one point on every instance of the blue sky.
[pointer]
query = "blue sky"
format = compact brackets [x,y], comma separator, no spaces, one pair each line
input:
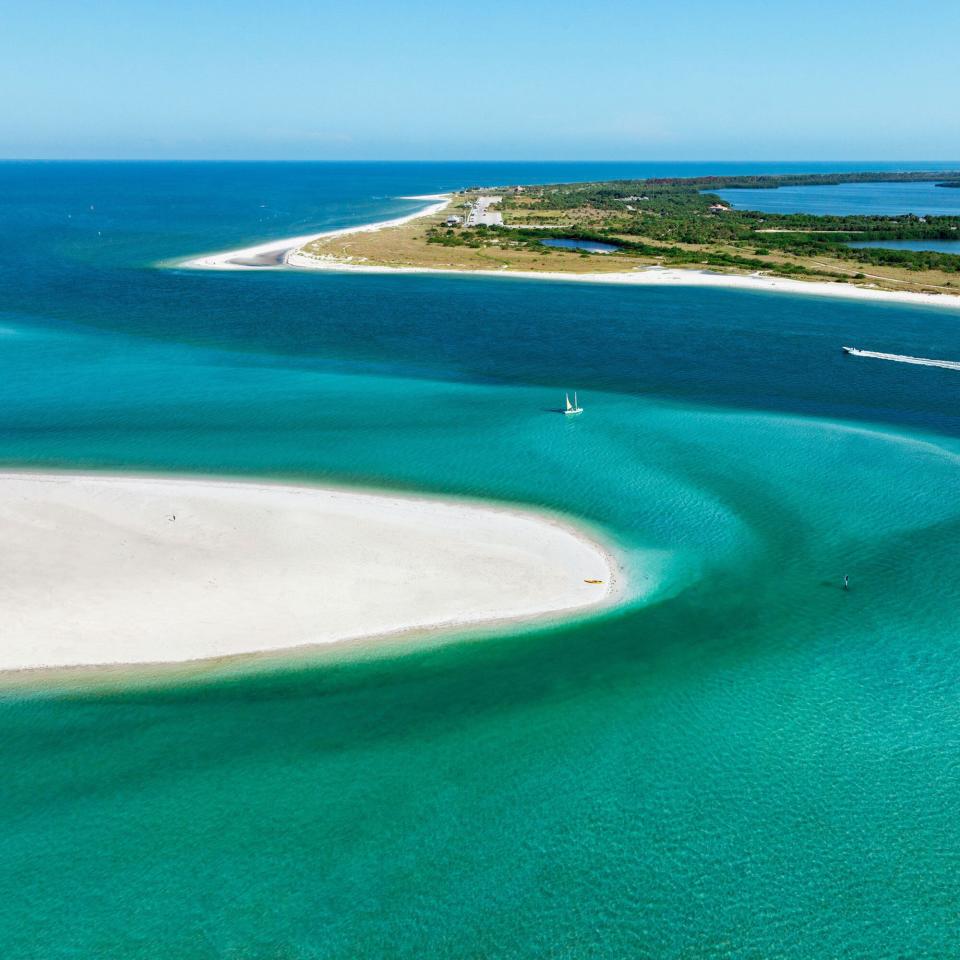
[427,79]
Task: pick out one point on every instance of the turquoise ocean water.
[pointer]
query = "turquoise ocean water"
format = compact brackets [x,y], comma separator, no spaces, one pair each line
[744,762]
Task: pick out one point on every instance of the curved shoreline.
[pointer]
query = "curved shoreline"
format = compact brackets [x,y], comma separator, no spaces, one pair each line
[288,253]
[131,571]
[652,276]
[275,253]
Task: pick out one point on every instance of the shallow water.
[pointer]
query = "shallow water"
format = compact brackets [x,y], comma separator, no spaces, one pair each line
[747,761]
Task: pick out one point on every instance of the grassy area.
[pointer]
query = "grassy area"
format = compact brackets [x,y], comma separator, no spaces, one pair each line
[670,223]
[409,246]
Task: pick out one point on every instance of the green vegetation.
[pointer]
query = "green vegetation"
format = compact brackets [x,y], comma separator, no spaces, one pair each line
[518,237]
[669,223]
[678,221]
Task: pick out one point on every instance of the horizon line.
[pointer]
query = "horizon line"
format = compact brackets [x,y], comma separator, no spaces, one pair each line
[452,161]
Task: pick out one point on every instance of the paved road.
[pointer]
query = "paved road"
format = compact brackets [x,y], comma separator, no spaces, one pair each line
[480,213]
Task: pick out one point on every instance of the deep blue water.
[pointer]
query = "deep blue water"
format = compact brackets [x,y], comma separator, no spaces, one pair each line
[64,266]
[745,762]
[882,199]
[939,246]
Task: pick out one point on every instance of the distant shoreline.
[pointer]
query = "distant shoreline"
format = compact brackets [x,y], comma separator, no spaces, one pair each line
[289,253]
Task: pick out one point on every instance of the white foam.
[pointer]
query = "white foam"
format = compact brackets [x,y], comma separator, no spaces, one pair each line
[900,358]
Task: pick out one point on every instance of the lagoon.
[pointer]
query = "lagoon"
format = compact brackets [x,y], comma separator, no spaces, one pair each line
[587,246]
[850,199]
[937,246]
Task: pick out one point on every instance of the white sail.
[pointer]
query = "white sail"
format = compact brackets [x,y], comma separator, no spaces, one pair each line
[569,405]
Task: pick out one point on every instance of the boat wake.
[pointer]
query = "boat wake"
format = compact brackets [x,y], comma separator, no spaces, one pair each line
[922,361]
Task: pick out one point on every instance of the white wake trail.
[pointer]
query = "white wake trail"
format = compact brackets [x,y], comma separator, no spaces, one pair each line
[898,358]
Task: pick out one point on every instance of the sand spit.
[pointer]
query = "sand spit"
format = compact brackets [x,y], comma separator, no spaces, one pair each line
[110,569]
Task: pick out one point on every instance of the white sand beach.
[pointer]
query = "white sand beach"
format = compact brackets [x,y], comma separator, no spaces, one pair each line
[274,253]
[290,253]
[133,570]
[654,276]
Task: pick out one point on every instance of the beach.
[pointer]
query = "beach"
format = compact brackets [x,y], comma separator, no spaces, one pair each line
[689,766]
[291,253]
[134,570]
[657,276]
[274,253]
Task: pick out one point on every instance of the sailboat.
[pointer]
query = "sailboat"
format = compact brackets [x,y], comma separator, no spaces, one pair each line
[572,408]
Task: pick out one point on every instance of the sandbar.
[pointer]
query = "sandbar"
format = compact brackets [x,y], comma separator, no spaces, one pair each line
[135,570]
